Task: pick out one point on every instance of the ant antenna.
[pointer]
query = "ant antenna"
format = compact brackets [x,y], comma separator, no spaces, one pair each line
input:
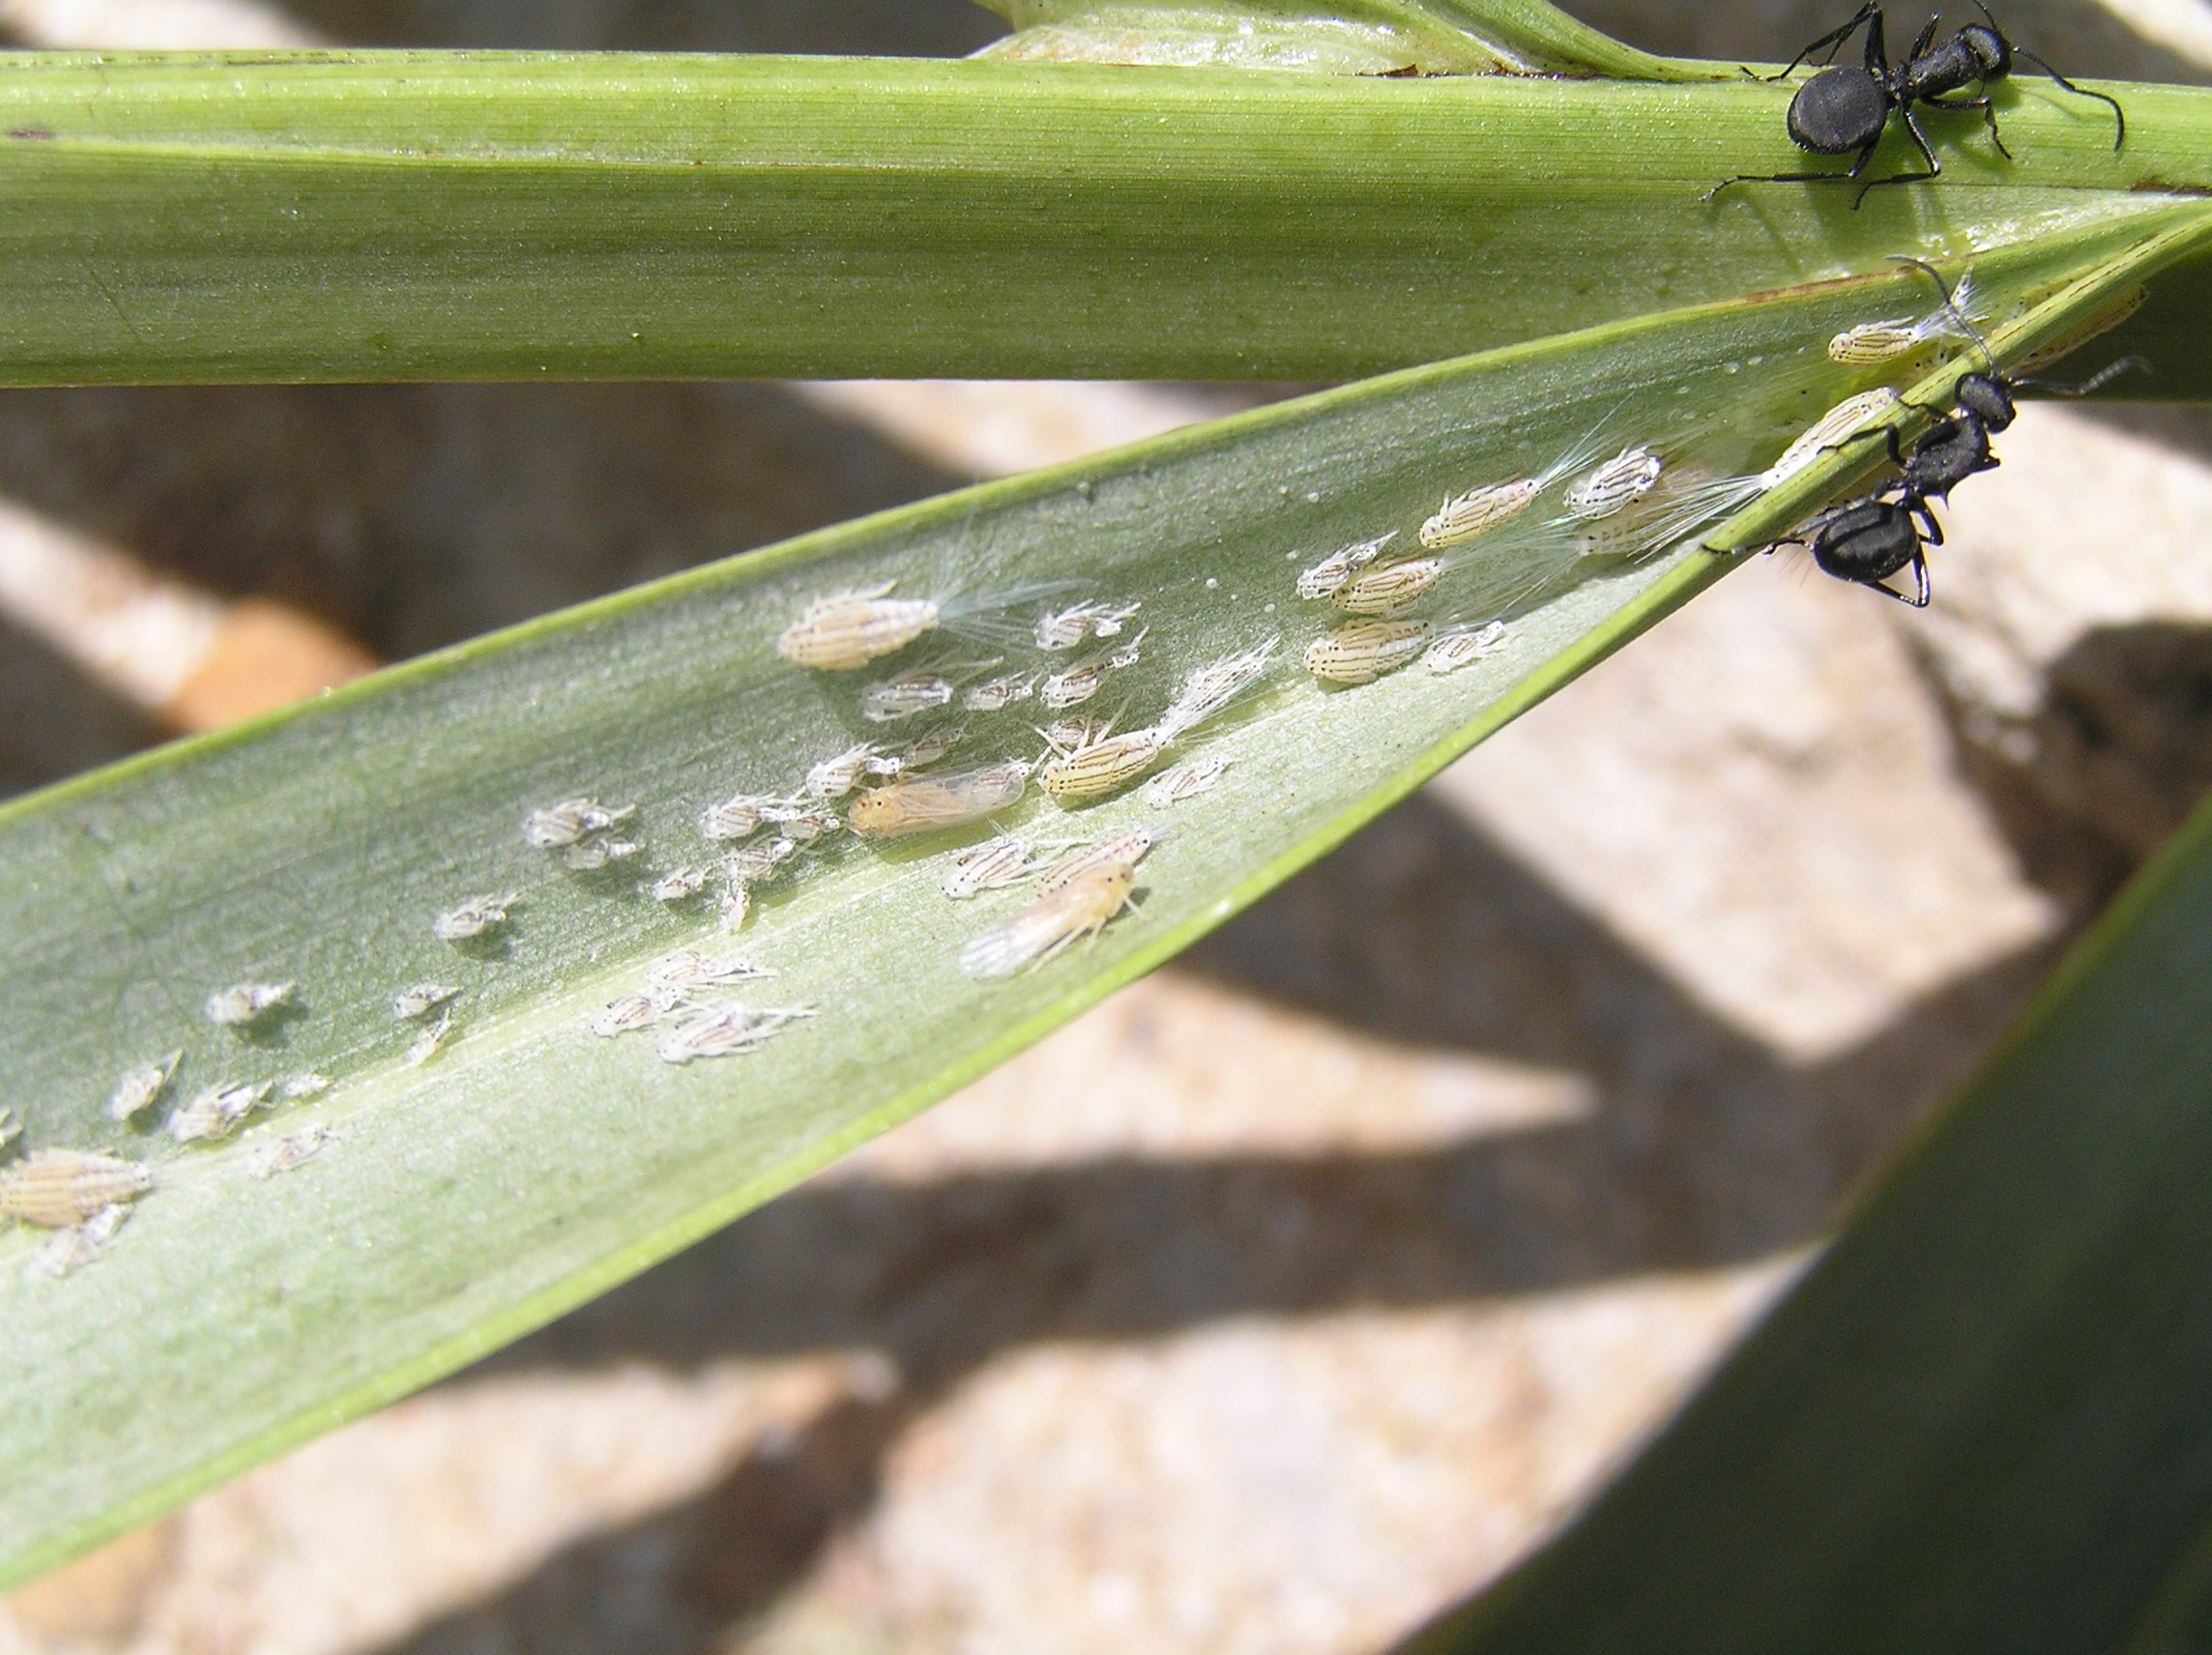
[2095,382]
[1966,324]
[2119,115]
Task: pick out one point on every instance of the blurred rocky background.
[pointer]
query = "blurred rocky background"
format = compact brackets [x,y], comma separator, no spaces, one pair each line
[1299,1288]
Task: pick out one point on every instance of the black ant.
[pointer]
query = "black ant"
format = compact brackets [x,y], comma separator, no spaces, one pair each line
[1869,539]
[1842,109]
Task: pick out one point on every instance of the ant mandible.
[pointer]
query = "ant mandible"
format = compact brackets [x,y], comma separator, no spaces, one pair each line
[1841,108]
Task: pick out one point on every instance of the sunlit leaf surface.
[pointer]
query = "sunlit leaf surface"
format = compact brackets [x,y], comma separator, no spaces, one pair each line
[530,1162]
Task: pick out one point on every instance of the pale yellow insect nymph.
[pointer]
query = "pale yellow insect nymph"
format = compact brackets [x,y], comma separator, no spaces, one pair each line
[1469,516]
[1103,765]
[59,1187]
[1121,851]
[1082,908]
[1839,423]
[1325,578]
[921,803]
[1363,650]
[1627,477]
[851,629]
[1388,588]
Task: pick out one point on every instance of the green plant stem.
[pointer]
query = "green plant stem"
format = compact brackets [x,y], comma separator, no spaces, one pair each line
[396,216]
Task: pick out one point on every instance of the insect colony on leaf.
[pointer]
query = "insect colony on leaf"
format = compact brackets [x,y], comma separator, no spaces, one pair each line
[1607,500]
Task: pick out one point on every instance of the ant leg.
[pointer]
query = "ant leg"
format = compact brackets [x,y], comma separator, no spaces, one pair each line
[1834,40]
[1920,138]
[2119,115]
[2095,382]
[1876,52]
[1784,177]
[1986,105]
[1920,580]
[1920,142]
[1920,598]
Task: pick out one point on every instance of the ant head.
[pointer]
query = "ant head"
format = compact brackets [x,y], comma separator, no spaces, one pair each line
[1988,43]
[1984,394]
[1991,50]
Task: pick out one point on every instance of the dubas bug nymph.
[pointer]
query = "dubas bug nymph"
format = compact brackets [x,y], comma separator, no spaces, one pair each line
[688,969]
[1360,652]
[422,998]
[1624,479]
[1184,781]
[1388,588]
[55,1188]
[1469,516]
[73,1248]
[993,865]
[838,774]
[560,825]
[140,1088]
[851,628]
[1101,767]
[725,1030]
[244,1003]
[1082,908]
[681,884]
[1328,577]
[951,799]
[215,1112]
[1064,628]
[1120,851]
[473,917]
[924,689]
[1464,646]
[288,1153]
[1889,337]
